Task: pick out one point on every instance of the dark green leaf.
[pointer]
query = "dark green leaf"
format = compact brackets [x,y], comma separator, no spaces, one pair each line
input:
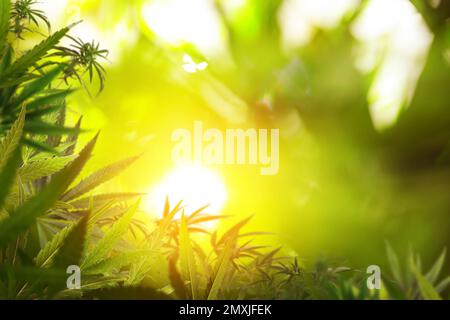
[5,11]
[39,204]
[43,128]
[98,178]
[36,86]
[72,251]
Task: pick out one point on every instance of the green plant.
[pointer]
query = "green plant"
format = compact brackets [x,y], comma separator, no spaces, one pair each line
[23,13]
[38,205]
[84,58]
[28,79]
[48,222]
[410,281]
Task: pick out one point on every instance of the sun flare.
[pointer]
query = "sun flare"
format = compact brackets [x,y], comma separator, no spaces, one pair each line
[196,186]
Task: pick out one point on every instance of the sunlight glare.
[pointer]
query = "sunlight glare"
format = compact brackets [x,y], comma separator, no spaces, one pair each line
[298,18]
[197,186]
[396,47]
[178,21]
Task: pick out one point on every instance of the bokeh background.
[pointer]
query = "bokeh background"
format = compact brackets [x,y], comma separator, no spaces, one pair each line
[359,90]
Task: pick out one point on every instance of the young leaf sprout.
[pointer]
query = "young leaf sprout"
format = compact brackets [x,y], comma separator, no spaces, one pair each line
[23,11]
[84,58]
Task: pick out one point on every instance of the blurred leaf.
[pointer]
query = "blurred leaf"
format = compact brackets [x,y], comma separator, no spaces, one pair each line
[10,156]
[12,139]
[37,276]
[38,205]
[48,252]
[5,10]
[98,178]
[223,264]
[74,244]
[187,258]
[31,57]
[34,170]
[102,199]
[434,272]
[36,86]
[8,175]
[394,263]
[42,147]
[6,59]
[45,111]
[117,261]
[427,290]
[43,128]
[72,139]
[110,238]
[49,99]
[233,230]
[443,284]
[157,237]
[176,281]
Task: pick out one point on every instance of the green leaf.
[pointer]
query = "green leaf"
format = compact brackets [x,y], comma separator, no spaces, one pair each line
[48,252]
[42,147]
[12,139]
[42,277]
[13,83]
[45,110]
[6,60]
[30,58]
[98,178]
[10,156]
[34,170]
[39,204]
[43,128]
[5,11]
[157,237]
[223,264]
[36,86]
[434,272]
[46,100]
[102,199]
[187,258]
[110,238]
[394,263]
[427,290]
[443,284]
[117,262]
[8,175]
[234,230]
[72,139]
[73,248]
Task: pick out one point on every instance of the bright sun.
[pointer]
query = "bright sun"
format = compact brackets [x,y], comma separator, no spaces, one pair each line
[195,185]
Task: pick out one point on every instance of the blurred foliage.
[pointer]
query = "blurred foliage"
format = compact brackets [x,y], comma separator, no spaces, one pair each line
[346,185]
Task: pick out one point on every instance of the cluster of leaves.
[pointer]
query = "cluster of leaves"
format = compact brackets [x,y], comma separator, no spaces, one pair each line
[48,221]
[236,268]
[28,78]
[47,224]
[411,282]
